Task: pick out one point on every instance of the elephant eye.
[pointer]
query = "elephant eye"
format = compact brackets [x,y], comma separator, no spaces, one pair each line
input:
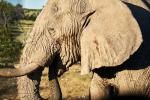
[51,30]
[54,8]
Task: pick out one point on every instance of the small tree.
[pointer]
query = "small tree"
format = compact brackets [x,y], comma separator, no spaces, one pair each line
[9,47]
[6,13]
[18,12]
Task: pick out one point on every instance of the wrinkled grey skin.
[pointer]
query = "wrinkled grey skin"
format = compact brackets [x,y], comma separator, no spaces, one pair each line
[132,78]
[55,41]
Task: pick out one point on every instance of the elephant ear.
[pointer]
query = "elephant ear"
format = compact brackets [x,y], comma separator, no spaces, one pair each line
[109,39]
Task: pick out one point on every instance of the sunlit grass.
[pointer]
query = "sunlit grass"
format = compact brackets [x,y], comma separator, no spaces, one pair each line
[26,22]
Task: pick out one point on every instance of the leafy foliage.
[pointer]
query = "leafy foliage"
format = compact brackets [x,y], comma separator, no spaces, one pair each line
[31,14]
[10,13]
[9,47]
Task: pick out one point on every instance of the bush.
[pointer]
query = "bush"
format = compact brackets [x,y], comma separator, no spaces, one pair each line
[9,48]
[10,13]
[31,14]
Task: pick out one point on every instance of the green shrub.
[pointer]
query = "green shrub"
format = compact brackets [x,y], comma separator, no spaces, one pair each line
[9,48]
[31,14]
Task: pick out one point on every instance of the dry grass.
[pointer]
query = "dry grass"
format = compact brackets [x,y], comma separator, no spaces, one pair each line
[73,85]
[8,88]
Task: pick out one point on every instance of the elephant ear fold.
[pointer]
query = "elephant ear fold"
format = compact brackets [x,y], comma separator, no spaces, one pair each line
[85,18]
[104,46]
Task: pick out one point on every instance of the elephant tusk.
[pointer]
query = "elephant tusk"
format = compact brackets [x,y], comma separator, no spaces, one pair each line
[18,71]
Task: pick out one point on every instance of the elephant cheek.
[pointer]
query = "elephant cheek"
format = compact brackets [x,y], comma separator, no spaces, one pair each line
[40,53]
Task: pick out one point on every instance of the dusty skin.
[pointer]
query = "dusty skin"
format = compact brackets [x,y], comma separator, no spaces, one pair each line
[106,36]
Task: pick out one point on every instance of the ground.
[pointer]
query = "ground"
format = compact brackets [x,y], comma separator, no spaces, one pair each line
[8,89]
[73,85]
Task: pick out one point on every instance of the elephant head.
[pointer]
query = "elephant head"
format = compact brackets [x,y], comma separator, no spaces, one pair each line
[98,34]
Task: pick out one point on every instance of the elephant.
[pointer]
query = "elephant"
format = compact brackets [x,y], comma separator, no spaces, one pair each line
[132,77]
[104,35]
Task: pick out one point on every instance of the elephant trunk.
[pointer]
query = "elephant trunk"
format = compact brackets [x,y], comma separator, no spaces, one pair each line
[32,58]
[16,72]
[39,51]
[54,86]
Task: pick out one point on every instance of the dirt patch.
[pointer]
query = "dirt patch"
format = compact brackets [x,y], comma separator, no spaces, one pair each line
[73,85]
[8,88]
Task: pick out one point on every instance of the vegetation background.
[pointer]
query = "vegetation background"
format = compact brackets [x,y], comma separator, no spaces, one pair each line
[15,22]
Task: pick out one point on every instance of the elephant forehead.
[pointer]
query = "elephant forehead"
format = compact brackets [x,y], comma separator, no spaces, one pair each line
[79,6]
